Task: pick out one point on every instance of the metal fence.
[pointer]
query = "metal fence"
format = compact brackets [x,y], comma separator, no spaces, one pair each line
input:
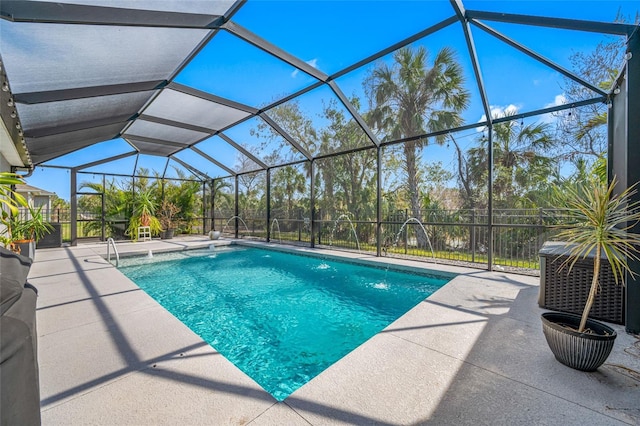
[454,236]
[91,225]
[462,236]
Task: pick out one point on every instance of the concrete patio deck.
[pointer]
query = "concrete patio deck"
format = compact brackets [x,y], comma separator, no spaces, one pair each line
[472,353]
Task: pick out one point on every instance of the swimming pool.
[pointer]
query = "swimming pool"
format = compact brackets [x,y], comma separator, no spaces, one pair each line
[279,317]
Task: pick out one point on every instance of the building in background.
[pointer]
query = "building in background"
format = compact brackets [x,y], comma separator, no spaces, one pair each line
[36,197]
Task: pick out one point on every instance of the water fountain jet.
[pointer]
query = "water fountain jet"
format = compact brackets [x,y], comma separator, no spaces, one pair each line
[240,219]
[413,219]
[335,225]
[278,225]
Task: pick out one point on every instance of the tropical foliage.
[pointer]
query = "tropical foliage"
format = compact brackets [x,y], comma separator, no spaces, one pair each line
[116,203]
[408,95]
[129,203]
[9,199]
[521,164]
[186,196]
[20,221]
[410,101]
[29,225]
[143,213]
[413,98]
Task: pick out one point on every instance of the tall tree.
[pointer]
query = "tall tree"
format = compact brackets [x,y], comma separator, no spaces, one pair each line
[411,98]
[521,163]
[349,180]
[116,202]
[223,197]
[582,130]
[296,123]
[186,195]
[286,182]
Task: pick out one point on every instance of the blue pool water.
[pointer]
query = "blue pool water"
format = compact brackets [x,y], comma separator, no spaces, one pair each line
[280,318]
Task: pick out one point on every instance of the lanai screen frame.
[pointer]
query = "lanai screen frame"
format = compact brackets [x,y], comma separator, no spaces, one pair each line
[623,154]
[26,12]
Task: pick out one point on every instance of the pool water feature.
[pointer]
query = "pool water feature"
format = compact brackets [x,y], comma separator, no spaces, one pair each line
[281,318]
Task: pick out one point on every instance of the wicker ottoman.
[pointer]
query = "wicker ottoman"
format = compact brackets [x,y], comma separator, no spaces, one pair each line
[565,291]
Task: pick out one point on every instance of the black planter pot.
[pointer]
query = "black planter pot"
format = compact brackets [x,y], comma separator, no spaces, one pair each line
[27,248]
[167,234]
[582,351]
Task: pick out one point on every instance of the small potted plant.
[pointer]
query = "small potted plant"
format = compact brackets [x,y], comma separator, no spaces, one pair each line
[27,230]
[166,216]
[599,226]
[10,201]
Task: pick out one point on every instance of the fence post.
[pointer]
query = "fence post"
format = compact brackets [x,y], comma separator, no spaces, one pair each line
[319,226]
[236,211]
[103,217]
[269,220]
[406,232]
[312,206]
[541,231]
[473,235]
[204,207]
[379,201]
[74,207]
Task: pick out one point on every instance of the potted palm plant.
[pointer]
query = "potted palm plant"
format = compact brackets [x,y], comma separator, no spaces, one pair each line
[599,226]
[144,214]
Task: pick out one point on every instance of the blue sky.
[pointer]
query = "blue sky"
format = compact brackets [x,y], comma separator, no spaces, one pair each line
[330,35]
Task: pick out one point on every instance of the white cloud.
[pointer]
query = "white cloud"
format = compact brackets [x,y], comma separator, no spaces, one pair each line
[313,62]
[498,111]
[560,99]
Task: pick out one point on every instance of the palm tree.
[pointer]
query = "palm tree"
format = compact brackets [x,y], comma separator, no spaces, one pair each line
[412,99]
[186,196]
[520,161]
[287,182]
[115,203]
[223,199]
